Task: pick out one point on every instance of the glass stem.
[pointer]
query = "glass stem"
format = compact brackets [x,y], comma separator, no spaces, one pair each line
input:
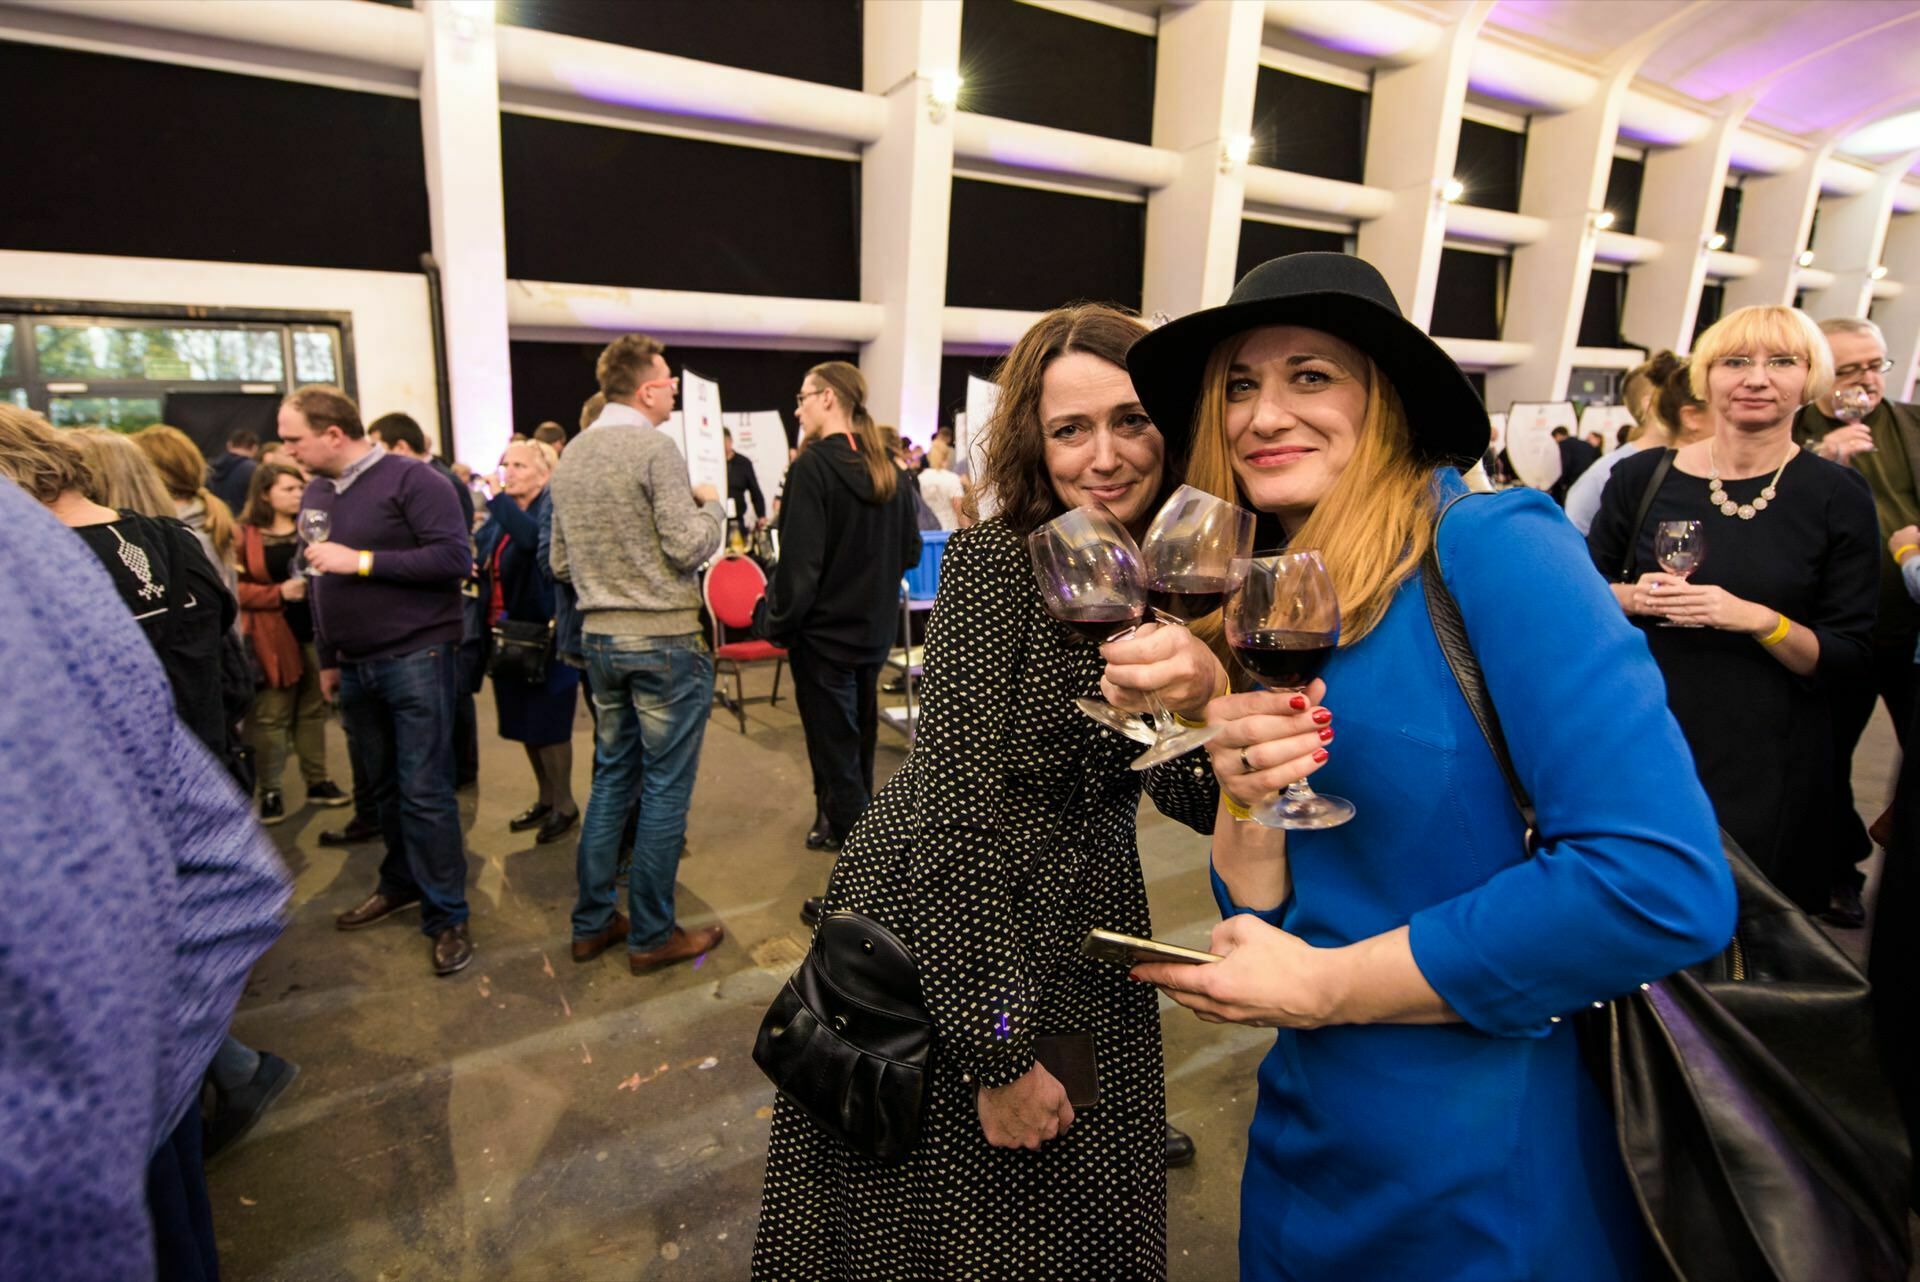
[1164,726]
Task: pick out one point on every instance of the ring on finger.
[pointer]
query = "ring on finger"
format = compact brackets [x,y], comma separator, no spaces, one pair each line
[1246,766]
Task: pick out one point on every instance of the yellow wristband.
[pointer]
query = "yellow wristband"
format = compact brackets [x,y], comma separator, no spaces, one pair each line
[1189,724]
[1905,550]
[1234,808]
[1778,634]
[366,564]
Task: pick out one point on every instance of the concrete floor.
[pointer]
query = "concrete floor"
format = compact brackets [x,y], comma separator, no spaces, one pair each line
[533,1119]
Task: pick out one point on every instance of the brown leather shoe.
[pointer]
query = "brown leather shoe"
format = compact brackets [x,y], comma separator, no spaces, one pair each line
[585,950]
[452,950]
[681,946]
[375,907]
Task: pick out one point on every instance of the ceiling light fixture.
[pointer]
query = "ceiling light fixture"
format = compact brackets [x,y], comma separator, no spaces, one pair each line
[1806,258]
[1603,220]
[1235,151]
[1453,190]
[1880,272]
[1717,241]
[943,93]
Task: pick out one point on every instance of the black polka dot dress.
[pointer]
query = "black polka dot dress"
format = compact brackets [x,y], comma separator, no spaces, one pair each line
[1006,836]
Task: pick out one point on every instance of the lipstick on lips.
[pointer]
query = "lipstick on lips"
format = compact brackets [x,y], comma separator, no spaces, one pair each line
[1277,455]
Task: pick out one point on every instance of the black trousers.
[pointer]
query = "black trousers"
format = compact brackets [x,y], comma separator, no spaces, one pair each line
[839,711]
[1890,677]
[182,1212]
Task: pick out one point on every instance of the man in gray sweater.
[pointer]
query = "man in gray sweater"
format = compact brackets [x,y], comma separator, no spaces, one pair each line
[630,534]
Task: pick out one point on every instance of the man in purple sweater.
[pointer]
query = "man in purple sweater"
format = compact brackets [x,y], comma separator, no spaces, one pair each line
[386,620]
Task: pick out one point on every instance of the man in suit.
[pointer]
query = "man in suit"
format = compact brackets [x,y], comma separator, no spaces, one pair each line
[1885,447]
[1576,456]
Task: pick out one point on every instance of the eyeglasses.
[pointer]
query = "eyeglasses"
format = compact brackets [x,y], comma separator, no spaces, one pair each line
[1880,366]
[801,399]
[673,383]
[1774,364]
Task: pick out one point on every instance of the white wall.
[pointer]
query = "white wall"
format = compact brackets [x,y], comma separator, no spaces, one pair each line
[392,337]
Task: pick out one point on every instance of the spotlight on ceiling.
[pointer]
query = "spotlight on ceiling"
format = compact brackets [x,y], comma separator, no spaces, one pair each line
[1603,220]
[943,92]
[1806,258]
[1717,241]
[1234,152]
[1453,191]
[1880,272]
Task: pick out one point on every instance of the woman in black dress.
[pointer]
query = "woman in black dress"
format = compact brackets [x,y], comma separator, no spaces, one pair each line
[1782,600]
[1006,836]
[517,583]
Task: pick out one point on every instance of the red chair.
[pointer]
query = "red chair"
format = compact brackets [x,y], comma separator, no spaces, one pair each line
[732,586]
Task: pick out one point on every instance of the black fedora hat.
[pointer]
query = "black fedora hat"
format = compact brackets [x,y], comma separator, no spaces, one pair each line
[1339,295]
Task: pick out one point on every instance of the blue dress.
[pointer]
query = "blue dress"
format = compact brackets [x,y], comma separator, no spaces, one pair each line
[1482,1149]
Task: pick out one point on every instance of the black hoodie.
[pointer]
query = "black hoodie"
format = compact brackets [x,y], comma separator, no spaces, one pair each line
[836,589]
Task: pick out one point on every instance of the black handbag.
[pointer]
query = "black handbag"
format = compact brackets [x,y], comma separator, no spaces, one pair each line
[521,651]
[1758,1130]
[849,1039]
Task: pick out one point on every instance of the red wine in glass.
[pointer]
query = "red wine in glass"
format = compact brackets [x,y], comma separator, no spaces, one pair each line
[1098,623]
[1187,597]
[1283,623]
[1283,658]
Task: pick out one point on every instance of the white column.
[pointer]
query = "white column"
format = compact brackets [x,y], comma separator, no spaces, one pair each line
[1208,62]
[1851,236]
[906,182]
[460,117]
[1899,317]
[1775,213]
[1679,205]
[1414,159]
[1568,159]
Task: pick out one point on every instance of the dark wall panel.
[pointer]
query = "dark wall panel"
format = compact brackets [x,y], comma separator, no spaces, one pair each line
[1468,300]
[600,206]
[953,382]
[1033,250]
[1713,301]
[1623,193]
[552,380]
[815,40]
[120,156]
[1600,315]
[1489,161]
[1260,241]
[1727,221]
[1308,126]
[1024,63]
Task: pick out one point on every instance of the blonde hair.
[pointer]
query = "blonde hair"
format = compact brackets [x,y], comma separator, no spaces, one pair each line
[539,448]
[183,469]
[37,457]
[939,454]
[122,477]
[1372,527]
[1780,330]
[849,387]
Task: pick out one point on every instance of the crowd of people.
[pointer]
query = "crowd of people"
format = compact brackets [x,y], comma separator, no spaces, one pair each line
[1425,1109]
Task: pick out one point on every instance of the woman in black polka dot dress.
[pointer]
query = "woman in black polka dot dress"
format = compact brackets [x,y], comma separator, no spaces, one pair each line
[1006,836]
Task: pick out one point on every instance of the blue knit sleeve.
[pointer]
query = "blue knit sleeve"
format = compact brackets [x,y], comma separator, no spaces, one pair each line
[1628,882]
[1224,898]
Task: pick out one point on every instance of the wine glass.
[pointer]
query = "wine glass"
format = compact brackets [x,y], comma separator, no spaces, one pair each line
[1195,552]
[315,524]
[1283,623]
[1679,547]
[1851,403]
[1093,579]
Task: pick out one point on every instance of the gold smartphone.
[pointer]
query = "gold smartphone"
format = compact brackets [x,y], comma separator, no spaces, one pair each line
[1106,945]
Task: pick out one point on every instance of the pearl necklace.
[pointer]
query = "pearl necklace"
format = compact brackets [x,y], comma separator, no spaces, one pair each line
[1717,493]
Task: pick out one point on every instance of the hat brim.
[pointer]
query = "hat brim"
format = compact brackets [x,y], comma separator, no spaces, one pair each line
[1447,420]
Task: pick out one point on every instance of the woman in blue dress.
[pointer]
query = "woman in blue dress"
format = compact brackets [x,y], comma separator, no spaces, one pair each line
[1424,1112]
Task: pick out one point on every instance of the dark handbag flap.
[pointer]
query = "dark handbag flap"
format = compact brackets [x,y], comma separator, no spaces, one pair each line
[865,961]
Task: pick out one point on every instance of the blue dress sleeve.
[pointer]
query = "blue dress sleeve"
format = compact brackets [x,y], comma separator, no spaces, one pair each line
[1224,897]
[1627,882]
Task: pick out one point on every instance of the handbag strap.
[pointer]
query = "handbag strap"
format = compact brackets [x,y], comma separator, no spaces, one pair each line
[1450,630]
[1630,555]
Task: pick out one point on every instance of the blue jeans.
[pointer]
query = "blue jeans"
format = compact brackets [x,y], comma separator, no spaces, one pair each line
[650,700]
[399,717]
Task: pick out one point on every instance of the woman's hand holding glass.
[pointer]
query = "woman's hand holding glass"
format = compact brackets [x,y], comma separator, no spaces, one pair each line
[1282,734]
[1168,660]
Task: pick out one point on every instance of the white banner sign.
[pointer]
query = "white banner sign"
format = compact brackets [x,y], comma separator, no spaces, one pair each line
[982,395]
[700,432]
[1530,443]
[761,438]
[1606,420]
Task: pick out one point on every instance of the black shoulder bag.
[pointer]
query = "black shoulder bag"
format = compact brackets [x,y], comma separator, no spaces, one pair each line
[1758,1131]
[522,651]
[849,1039]
[1630,556]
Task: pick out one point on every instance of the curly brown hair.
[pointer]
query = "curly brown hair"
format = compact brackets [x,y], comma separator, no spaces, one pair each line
[37,458]
[1016,470]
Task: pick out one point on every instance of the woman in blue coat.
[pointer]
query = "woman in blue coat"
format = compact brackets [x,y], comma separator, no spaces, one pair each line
[517,583]
[1424,1112]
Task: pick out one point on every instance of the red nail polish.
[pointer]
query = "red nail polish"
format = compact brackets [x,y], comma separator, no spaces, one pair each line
[1298,703]
[1319,754]
[1321,716]
[1326,736]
